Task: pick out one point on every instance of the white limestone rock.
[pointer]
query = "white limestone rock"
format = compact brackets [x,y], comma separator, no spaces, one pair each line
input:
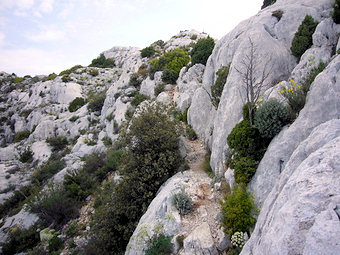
[199,241]
[184,39]
[163,98]
[147,87]
[300,214]
[41,151]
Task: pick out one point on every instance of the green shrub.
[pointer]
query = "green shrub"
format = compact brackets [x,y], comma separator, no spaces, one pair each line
[171,63]
[21,240]
[303,37]
[52,76]
[53,207]
[74,118]
[77,185]
[191,133]
[278,14]
[238,211]
[21,135]
[193,37]
[18,79]
[58,143]
[96,102]
[202,50]
[336,12]
[270,118]
[182,202]
[114,159]
[26,156]
[71,70]
[159,244]
[147,52]
[217,88]
[55,244]
[46,171]
[138,99]
[93,72]
[102,62]
[151,157]
[244,168]
[136,80]
[159,89]
[266,3]
[66,78]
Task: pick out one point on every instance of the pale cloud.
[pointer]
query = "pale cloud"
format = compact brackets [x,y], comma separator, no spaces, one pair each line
[46,6]
[48,33]
[24,4]
[2,39]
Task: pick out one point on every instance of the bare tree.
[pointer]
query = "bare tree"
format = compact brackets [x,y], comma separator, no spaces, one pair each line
[254,80]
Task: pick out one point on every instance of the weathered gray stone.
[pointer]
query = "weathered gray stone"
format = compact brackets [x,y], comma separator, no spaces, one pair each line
[199,242]
[148,86]
[298,216]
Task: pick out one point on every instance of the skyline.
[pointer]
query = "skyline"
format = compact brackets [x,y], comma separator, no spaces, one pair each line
[45,36]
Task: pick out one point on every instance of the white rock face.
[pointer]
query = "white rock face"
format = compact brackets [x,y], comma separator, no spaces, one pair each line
[315,112]
[41,151]
[272,40]
[300,214]
[148,86]
[183,39]
[199,241]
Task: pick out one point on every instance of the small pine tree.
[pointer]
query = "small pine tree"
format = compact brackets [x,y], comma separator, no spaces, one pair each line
[303,37]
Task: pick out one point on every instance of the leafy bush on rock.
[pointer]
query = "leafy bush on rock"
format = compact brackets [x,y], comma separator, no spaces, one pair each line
[182,202]
[303,37]
[202,50]
[217,88]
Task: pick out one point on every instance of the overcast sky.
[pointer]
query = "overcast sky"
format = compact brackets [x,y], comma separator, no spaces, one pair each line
[45,36]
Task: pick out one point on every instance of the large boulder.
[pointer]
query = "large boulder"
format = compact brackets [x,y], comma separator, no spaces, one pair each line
[301,213]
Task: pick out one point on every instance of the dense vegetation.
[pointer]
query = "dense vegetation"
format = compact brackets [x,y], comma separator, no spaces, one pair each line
[217,87]
[150,159]
[303,37]
[171,64]
[202,50]
[102,62]
[266,3]
[336,12]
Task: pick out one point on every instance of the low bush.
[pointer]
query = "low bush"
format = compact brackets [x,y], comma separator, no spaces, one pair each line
[159,244]
[102,62]
[238,211]
[151,157]
[270,118]
[58,143]
[21,135]
[46,171]
[138,98]
[336,12]
[159,89]
[93,72]
[96,102]
[71,70]
[136,80]
[76,104]
[21,240]
[66,78]
[53,207]
[52,76]
[266,3]
[191,133]
[26,156]
[217,88]
[303,37]
[171,64]
[182,202]
[202,50]
[147,52]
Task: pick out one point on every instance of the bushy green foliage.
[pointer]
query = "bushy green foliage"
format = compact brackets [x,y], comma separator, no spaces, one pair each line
[238,211]
[66,78]
[26,156]
[191,134]
[18,79]
[138,98]
[136,80]
[21,135]
[93,72]
[266,3]
[114,159]
[182,202]
[21,240]
[76,104]
[336,12]
[71,70]
[171,64]
[50,77]
[303,37]
[46,171]
[147,52]
[217,88]
[58,143]
[202,50]
[102,62]
[159,244]
[55,244]
[270,118]
[151,157]
[247,148]
[96,102]
[159,89]
[53,207]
